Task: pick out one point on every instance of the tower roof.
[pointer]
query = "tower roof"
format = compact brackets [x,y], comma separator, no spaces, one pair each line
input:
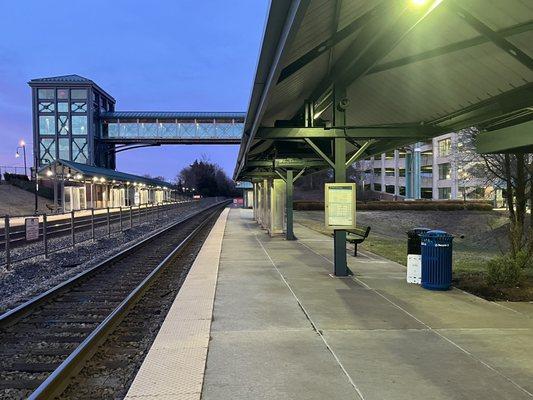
[72,79]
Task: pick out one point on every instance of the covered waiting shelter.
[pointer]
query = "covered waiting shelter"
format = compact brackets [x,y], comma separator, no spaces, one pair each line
[83,186]
[340,80]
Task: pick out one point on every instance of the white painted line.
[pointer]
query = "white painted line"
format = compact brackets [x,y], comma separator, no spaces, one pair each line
[490,367]
[315,328]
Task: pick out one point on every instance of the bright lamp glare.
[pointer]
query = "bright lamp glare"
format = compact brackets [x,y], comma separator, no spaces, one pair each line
[418,3]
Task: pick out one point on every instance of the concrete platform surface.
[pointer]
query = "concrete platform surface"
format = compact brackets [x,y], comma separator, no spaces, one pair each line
[283,328]
[174,366]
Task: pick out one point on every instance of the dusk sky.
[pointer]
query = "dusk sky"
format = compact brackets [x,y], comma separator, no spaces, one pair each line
[184,55]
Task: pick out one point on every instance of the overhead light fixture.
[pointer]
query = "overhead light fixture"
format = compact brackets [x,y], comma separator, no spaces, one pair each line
[49,173]
[102,179]
[95,178]
[418,3]
[78,176]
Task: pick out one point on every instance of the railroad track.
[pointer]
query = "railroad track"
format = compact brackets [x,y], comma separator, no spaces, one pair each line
[47,340]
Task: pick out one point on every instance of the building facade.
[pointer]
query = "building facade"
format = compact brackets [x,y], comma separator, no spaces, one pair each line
[430,170]
[66,115]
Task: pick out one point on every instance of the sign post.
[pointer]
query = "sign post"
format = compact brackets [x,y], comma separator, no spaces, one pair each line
[340,215]
[32,228]
[340,206]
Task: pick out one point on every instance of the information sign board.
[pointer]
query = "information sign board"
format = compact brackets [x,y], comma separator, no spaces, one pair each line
[340,205]
[32,228]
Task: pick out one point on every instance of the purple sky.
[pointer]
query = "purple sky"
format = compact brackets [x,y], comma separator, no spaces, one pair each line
[184,55]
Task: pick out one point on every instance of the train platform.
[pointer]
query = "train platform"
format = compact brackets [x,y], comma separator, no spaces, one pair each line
[279,326]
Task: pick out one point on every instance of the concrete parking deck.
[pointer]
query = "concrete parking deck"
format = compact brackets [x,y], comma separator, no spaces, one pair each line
[283,328]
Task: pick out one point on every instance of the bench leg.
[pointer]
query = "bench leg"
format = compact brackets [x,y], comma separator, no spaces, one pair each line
[355,249]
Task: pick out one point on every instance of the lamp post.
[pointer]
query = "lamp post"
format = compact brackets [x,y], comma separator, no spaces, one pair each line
[22,145]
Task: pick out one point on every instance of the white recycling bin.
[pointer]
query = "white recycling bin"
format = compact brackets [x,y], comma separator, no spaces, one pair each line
[414,268]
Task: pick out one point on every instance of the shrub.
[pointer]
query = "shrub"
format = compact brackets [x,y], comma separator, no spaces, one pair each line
[505,271]
[308,205]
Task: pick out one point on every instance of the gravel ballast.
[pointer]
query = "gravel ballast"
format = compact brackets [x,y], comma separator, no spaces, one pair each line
[28,278]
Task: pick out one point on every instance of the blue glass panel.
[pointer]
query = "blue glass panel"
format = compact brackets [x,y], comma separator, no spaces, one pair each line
[112,130]
[62,125]
[78,107]
[47,125]
[147,130]
[187,130]
[62,107]
[167,130]
[47,150]
[129,130]
[47,94]
[62,94]
[79,150]
[46,107]
[79,125]
[64,149]
[78,94]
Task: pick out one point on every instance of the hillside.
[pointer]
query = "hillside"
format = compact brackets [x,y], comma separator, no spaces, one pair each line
[16,201]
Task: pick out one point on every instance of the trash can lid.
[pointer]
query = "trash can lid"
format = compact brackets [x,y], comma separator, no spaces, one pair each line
[417,231]
[437,233]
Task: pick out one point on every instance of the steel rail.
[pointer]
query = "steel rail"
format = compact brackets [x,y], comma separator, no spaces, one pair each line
[60,229]
[25,308]
[18,232]
[58,380]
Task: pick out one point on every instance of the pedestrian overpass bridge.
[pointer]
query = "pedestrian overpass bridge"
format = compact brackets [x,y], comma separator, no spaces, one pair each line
[156,128]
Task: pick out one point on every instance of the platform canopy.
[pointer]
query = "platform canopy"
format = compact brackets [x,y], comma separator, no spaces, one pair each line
[73,171]
[383,74]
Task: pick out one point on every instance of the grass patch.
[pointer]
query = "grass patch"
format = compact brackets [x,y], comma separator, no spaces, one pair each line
[470,255]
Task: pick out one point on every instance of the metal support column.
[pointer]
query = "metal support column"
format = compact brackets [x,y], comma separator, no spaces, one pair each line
[339,239]
[340,267]
[408,175]
[289,191]
[416,173]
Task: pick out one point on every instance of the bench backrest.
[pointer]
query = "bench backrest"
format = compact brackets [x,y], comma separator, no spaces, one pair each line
[363,232]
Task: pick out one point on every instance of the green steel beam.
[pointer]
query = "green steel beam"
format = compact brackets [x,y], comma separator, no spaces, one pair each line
[517,138]
[450,48]
[385,43]
[331,42]
[374,41]
[258,174]
[319,152]
[299,174]
[366,36]
[491,35]
[294,163]
[487,110]
[358,154]
[280,175]
[414,132]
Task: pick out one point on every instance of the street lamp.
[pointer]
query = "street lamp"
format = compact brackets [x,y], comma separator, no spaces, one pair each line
[22,145]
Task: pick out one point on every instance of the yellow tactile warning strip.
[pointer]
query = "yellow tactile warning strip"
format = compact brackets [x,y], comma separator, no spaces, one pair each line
[174,367]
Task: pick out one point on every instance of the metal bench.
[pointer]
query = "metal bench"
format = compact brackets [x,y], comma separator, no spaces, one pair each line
[357,236]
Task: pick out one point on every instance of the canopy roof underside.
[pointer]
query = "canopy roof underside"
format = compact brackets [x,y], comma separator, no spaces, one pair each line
[444,64]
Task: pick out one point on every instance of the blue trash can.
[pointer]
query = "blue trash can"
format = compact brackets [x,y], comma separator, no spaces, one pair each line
[436,260]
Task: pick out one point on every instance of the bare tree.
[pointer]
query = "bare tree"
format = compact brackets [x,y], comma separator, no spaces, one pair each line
[514,172]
